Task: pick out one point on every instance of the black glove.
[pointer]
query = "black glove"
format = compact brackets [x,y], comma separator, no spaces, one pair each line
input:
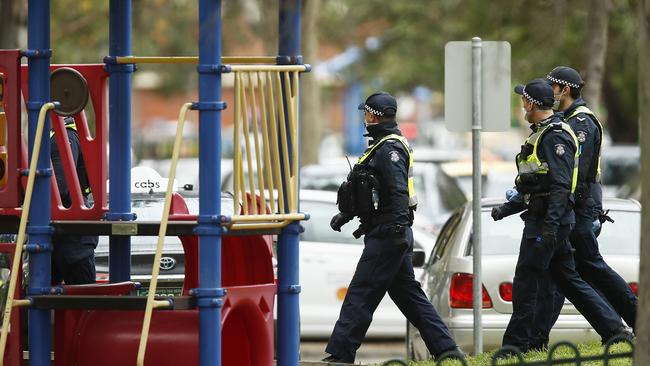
[549,238]
[497,213]
[339,220]
[602,217]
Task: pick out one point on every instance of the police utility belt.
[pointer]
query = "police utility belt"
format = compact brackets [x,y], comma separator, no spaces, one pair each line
[359,194]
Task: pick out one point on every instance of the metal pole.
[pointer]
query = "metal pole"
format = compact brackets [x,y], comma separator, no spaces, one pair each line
[119,106]
[476,192]
[39,229]
[288,240]
[210,294]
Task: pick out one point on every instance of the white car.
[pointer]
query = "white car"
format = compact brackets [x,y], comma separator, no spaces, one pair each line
[328,260]
[447,276]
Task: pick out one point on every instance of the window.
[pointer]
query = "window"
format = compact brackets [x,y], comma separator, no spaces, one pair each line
[448,230]
[317,228]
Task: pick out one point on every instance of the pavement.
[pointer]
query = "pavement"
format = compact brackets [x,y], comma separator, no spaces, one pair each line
[371,352]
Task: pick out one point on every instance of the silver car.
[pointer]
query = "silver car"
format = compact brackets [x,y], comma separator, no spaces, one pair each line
[447,276]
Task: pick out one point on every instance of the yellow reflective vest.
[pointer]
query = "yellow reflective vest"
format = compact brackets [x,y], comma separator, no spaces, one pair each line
[413,199]
[587,111]
[531,164]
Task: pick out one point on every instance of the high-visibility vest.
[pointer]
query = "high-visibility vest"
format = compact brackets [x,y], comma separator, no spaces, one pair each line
[531,164]
[73,126]
[587,111]
[413,199]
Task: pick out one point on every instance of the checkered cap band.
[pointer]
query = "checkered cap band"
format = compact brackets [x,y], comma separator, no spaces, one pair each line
[531,99]
[373,111]
[562,82]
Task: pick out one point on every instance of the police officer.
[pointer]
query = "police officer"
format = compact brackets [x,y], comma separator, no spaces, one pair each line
[547,176]
[73,256]
[567,85]
[379,190]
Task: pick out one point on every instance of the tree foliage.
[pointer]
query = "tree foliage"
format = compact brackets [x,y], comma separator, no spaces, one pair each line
[543,34]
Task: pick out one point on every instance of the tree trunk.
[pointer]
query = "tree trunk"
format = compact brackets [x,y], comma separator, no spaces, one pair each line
[596,50]
[14,23]
[312,124]
[642,347]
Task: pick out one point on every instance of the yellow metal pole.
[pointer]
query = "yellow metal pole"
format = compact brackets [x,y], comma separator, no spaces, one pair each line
[249,163]
[283,139]
[237,149]
[267,148]
[275,68]
[267,217]
[258,157]
[161,238]
[296,134]
[277,173]
[18,253]
[193,60]
[259,226]
[240,164]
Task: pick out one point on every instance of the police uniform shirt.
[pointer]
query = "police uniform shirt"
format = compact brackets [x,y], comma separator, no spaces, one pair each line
[558,149]
[391,162]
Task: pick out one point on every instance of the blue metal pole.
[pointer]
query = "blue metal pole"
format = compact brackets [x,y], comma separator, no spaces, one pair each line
[39,52]
[210,294]
[288,240]
[120,137]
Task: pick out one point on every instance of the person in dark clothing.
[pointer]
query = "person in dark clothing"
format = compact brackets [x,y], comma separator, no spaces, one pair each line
[567,84]
[73,256]
[547,177]
[380,192]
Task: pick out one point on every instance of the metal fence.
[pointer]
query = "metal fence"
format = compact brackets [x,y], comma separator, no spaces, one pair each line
[511,356]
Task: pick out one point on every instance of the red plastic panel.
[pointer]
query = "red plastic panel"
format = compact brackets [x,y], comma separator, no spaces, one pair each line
[14,350]
[108,338]
[10,192]
[94,149]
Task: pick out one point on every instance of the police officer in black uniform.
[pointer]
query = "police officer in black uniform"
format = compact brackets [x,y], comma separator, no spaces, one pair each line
[379,190]
[547,176]
[567,85]
[73,256]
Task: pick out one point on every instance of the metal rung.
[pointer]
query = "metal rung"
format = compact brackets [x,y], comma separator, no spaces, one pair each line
[62,302]
[26,355]
[125,228]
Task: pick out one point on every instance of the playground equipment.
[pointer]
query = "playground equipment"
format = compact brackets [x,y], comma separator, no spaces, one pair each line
[227,307]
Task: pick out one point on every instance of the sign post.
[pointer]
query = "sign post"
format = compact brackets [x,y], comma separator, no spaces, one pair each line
[482,70]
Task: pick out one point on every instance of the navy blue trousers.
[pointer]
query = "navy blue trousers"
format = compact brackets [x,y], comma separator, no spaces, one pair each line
[386,266]
[536,263]
[592,268]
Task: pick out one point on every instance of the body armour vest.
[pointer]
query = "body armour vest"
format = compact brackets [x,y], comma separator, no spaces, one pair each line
[532,177]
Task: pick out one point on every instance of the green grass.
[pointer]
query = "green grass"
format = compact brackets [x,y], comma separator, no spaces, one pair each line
[585,349]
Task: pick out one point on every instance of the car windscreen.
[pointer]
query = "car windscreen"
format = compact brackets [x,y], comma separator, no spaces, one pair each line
[318,229]
[619,238]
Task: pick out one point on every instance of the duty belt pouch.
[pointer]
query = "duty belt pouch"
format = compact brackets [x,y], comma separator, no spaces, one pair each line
[363,195]
[345,198]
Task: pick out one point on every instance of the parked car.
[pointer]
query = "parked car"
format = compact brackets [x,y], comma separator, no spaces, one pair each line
[447,276]
[328,260]
[496,176]
[438,194]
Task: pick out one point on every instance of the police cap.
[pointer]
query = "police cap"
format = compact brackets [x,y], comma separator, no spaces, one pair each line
[537,91]
[380,104]
[564,75]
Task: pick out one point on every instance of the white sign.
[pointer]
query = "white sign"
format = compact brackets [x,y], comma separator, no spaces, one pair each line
[147,180]
[496,91]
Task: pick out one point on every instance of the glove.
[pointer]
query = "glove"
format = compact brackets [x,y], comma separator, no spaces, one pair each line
[602,217]
[339,220]
[595,226]
[497,213]
[549,238]
[513,195]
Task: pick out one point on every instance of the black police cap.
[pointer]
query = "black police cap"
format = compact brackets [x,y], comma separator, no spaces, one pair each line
[537,91]
[380,104]
[564,75]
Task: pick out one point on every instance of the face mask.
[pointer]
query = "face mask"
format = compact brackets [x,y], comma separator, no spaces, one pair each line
[557,102]
[526,114]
